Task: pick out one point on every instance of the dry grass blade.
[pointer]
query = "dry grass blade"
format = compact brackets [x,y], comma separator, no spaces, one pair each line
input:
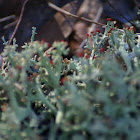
[10,25]
[99,13]
[7,18]
[137,3]
[17,25]
[118,12]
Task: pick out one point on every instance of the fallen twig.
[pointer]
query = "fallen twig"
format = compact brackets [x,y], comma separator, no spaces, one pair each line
[17,25]
[10,25]
[118,12]
[72,15]
[7,18]
[50,49]
[99,13]
[137,3]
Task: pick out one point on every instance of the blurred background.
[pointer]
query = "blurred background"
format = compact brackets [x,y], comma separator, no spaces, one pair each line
[54,26]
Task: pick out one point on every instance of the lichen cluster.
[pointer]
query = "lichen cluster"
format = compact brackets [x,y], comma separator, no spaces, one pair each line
[95,96]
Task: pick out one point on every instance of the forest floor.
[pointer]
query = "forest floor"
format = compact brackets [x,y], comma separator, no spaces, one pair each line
[62,27]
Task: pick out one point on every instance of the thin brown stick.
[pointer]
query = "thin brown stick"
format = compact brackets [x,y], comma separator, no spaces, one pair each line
[99,13]
[72,15]
[50,49]
[135,1]
[17,25]
[118,12]
[10,24]
[7,18]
